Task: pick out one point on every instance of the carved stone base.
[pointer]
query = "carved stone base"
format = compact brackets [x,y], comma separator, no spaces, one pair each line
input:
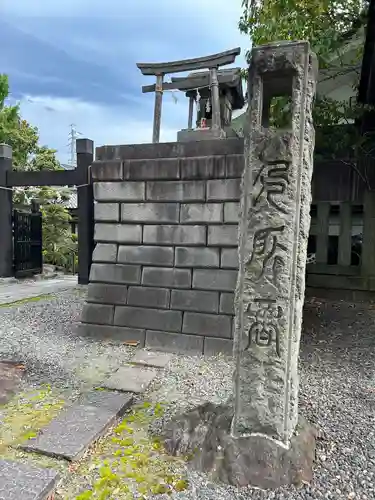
[203,134]
[204,435]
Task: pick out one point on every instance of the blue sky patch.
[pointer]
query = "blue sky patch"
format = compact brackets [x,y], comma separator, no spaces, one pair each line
[75,62]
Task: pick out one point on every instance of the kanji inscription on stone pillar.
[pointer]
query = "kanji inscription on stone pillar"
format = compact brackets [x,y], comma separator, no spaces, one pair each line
[273,235]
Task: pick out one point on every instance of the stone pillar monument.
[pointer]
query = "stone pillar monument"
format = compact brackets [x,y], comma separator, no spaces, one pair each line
[274,230]
[258,438]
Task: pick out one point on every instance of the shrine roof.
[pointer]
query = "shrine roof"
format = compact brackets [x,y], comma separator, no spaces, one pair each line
[228,78]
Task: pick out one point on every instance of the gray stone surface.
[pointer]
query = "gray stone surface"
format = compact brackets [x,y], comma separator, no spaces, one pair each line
[107,212]
[107,294]
[222,236]
[118,233]
[223,189]
[196,257]
[158,169]
[203,167]
[187,151]
[149,297]
[206,134]
[161,242]
[275,208]
[153,255]
[231,212]
[229,258]
[25,482]
[142,317]
[70,434]
[150,212]
[105,252]
[101,314]
[119,191]
[168,277]
[174,342]
[213,346]
[214,325]
[130,379]
[176,191]
[201,212]
[234,165]
[174,235]
[226,303]
[106,170]
[204,434]
[150,358]
[12,292]
[112,333]
[195,300]
[210,279]
[115,273]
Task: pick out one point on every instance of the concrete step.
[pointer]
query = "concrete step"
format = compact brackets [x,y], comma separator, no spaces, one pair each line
[24,482]
[78,426]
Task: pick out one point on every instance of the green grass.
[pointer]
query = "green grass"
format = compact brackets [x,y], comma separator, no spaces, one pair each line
[37,298]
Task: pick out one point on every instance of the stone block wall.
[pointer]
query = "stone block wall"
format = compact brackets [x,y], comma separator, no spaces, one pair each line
[165,262]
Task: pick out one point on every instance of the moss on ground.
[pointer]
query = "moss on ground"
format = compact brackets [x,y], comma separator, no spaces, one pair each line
[24,416]
[20,302]
[127,464]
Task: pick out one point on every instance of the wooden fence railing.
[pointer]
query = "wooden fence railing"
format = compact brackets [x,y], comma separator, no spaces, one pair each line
[342,239]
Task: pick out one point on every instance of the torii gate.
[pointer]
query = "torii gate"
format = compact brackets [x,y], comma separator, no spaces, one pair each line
[212,63]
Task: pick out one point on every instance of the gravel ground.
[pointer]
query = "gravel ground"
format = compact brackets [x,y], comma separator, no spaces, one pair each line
[337,386]
[39,334]
[337,394]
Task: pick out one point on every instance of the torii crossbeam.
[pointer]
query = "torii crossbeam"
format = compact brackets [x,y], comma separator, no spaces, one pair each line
[212,62]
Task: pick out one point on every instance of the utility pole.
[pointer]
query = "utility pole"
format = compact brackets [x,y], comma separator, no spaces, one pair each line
[73,135]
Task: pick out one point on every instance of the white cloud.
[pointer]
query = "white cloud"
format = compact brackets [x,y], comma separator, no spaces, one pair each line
[114,31]
[102,124]
[150,31]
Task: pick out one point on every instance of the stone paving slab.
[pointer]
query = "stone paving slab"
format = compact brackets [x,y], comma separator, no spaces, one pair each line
[12,292]
[77,427]
[130,379]
[149,358]
[24,482]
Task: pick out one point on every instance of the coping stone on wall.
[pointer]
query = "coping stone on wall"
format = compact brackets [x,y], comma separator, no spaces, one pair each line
[170,150]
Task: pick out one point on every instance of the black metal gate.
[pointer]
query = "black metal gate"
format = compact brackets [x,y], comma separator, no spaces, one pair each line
[27,242]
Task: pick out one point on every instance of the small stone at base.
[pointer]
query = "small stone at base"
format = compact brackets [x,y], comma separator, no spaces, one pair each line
[24,482]
[205,433]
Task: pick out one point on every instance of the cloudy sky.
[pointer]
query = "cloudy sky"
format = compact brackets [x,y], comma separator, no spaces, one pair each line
[74,61]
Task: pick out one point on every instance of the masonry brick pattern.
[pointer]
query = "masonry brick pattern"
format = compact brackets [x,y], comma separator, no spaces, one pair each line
[165,262]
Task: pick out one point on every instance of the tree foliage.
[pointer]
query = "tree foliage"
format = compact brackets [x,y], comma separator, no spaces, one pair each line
[59,245]
[328,25]
[14,131]
[322,22]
